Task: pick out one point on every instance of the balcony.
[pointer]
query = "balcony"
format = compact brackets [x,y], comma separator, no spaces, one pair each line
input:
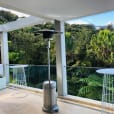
[22,101]
[18,98]
[27,98]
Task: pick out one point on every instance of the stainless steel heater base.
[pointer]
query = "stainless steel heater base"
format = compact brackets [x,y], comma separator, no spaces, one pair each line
[50,97]
[51,109]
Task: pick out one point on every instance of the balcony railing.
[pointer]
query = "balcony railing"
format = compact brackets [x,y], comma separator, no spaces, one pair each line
[81,81]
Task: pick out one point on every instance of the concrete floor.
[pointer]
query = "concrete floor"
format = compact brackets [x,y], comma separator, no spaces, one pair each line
[18,101]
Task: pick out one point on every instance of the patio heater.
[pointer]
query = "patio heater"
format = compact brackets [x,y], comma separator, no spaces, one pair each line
[49,87]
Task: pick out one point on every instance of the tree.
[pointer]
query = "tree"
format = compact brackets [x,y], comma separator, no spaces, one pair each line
[77,37]
[101,47]
[70,48]
[28,47]
[6,16]
[31,48]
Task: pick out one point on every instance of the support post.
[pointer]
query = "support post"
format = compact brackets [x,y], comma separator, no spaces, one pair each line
[4,55]
[61,59]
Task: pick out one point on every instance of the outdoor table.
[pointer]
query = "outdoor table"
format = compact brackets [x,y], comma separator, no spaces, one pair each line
[19,76]
[108,90]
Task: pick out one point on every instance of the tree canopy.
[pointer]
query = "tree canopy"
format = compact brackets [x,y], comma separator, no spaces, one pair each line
[6,16]
[101,47]
[85,46]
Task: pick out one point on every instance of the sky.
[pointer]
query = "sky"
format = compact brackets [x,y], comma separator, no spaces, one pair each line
[97,20]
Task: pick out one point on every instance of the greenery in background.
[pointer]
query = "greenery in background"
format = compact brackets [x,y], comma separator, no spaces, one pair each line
[85,47]
[7,17]
[92,83]
[37,74]
[101,47]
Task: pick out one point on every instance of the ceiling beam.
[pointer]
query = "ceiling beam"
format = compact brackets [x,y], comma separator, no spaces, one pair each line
[21,23]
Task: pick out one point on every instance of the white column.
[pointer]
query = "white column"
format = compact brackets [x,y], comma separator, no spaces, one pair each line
[4,55]
[61,59]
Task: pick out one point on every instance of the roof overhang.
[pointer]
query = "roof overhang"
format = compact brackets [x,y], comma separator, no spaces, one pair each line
[62,10]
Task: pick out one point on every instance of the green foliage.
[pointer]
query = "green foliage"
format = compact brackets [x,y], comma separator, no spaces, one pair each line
[37,74]
[84,82]
[13,57]
[92,80]
[28,46]
[70,47]
[6,16]
[92,87]
[77,37]
[74,76]
[101,46]
[73,85]
[90,92]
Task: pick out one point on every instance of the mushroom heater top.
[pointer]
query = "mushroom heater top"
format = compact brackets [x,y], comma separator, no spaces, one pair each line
[47,34]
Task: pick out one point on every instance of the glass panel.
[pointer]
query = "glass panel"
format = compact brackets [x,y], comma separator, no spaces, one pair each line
[84,82]
[31,75]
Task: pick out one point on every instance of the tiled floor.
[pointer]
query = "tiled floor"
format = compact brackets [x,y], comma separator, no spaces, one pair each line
[18,101]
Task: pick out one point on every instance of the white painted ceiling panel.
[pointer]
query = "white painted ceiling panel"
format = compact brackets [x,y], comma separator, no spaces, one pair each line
[59,9]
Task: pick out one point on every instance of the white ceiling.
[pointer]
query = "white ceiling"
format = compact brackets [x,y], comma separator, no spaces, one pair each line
[59,9]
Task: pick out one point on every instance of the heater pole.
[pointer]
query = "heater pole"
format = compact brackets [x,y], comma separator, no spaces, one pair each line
[49,78]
